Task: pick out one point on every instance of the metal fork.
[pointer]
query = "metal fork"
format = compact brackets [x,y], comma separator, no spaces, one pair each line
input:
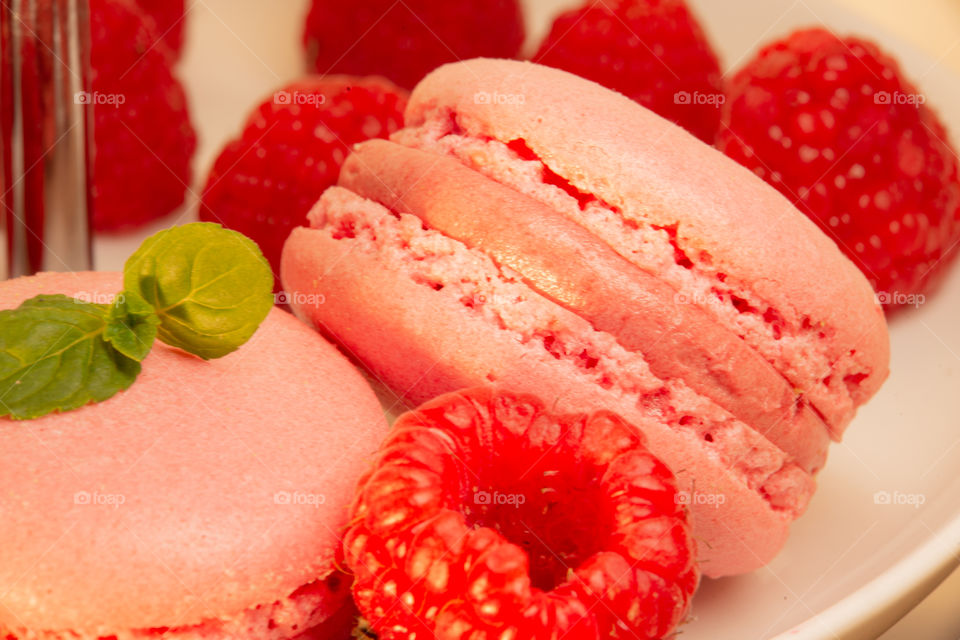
[45,137]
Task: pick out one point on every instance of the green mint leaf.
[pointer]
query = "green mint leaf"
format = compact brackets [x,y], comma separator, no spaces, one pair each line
[53,357]
[210,287]
[131,325]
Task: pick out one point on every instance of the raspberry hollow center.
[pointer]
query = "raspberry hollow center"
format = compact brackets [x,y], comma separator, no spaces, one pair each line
[485,516]
[555,514]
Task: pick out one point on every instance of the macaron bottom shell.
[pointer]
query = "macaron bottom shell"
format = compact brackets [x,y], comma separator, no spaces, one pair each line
[319,610]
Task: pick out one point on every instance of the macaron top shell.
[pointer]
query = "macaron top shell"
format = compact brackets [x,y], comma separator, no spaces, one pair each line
[652,171]
[205,489]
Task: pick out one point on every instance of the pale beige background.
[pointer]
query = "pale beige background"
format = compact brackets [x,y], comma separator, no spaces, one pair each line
[931,25]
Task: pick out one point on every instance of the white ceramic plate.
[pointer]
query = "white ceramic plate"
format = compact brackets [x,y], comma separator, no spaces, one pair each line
[865,552]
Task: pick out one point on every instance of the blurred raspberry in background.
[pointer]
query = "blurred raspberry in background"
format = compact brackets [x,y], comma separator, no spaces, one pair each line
[404,41]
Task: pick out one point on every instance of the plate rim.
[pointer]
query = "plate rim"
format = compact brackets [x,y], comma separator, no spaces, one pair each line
[879,604]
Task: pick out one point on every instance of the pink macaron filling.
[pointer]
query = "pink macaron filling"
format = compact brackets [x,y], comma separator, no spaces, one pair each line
[784,336]
[582,274]
[551,333]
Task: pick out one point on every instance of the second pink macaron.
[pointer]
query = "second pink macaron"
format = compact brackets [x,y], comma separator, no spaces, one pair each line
[534,230]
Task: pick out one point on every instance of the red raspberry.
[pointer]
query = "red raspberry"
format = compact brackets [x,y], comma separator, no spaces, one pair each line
[169,18]
[653,51]
[143,137]
[833,124]
[264,183]
[484,516]
[405,40]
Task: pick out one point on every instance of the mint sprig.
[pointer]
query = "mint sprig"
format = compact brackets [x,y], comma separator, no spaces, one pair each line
[131,325]
[198,287]
[53,357]
[211,287]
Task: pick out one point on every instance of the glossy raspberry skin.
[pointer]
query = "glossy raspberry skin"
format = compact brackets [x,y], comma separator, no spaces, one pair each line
[834,125]
[169,20]
[291,148]
[144,141]
[485,514]
[403,41]
[653,51]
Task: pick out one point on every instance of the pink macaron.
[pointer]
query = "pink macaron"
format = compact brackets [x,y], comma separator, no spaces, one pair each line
[531,229]
[206,501]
